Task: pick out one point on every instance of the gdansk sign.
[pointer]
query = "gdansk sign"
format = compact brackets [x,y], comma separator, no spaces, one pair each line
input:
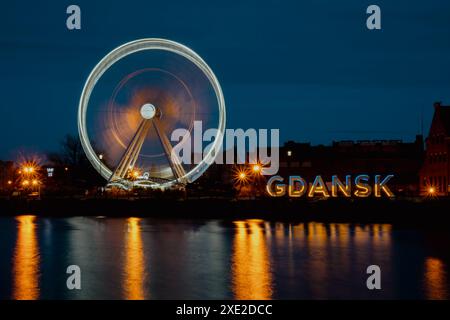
[361,186]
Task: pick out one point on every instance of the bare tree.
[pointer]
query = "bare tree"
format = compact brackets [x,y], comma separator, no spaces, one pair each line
[70,154]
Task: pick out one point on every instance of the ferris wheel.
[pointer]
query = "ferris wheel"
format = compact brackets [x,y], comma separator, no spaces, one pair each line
[132,102]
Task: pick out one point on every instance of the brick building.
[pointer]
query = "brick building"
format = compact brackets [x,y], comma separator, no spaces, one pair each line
[402,159]
[434,175]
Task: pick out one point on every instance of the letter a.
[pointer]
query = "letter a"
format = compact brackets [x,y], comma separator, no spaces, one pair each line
[74,20]
[374,281]
[74,281]
[374,20]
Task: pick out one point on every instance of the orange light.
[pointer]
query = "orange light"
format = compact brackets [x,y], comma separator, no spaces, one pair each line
[26,182]
[35,182]
[135,174]
[256,168]
[431,190]
[240,175]
[9,182]
[27,169]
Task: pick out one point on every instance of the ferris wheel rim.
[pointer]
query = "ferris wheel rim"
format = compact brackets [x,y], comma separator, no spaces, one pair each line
[142,45]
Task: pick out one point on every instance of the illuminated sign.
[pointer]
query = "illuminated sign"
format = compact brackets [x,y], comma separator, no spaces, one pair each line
[360,186]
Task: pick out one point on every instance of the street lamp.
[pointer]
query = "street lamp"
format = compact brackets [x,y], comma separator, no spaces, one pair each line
[256,168]
[241,179]
[27,169]
[35,183]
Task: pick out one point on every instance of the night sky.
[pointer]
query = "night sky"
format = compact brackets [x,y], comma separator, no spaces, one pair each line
[310,68]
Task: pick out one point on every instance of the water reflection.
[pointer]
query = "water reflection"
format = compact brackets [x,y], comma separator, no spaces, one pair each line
[251,268]
[190,260]
[134,268]
[26,260]
[435,279]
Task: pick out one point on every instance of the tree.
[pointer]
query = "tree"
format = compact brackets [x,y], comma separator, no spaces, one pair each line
[78,171]
[71,153]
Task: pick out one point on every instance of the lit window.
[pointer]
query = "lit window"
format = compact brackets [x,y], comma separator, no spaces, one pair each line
[50,172]
[289,153]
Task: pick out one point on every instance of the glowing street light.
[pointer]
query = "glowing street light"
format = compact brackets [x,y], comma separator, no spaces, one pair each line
[25,182]
[35,182]
[241,175]
[27,169]
[256,168]
[431,190]
[9,182]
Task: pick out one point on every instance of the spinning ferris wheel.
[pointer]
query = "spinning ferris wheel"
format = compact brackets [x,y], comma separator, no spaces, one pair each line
[132,101]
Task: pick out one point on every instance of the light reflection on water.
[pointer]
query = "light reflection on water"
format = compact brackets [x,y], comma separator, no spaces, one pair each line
[252,277]
[26,260]
[140,258]
[435,279]
[134,269]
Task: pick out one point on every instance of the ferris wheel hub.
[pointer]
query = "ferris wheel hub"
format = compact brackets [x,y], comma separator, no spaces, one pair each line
[148,111]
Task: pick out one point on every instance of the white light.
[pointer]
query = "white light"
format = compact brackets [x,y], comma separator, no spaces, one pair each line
[148,111]
[50,172]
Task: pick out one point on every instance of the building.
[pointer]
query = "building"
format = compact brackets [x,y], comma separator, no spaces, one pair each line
[6,175]
[402,159]
[434,175]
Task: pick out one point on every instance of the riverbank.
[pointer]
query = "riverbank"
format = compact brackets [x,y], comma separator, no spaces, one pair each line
[426,212]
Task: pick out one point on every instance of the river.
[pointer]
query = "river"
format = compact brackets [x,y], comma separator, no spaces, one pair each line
[144,258]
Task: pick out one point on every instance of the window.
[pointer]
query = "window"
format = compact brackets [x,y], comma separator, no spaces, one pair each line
[50,172]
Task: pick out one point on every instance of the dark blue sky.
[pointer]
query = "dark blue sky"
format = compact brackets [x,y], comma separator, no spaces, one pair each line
[310,68]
